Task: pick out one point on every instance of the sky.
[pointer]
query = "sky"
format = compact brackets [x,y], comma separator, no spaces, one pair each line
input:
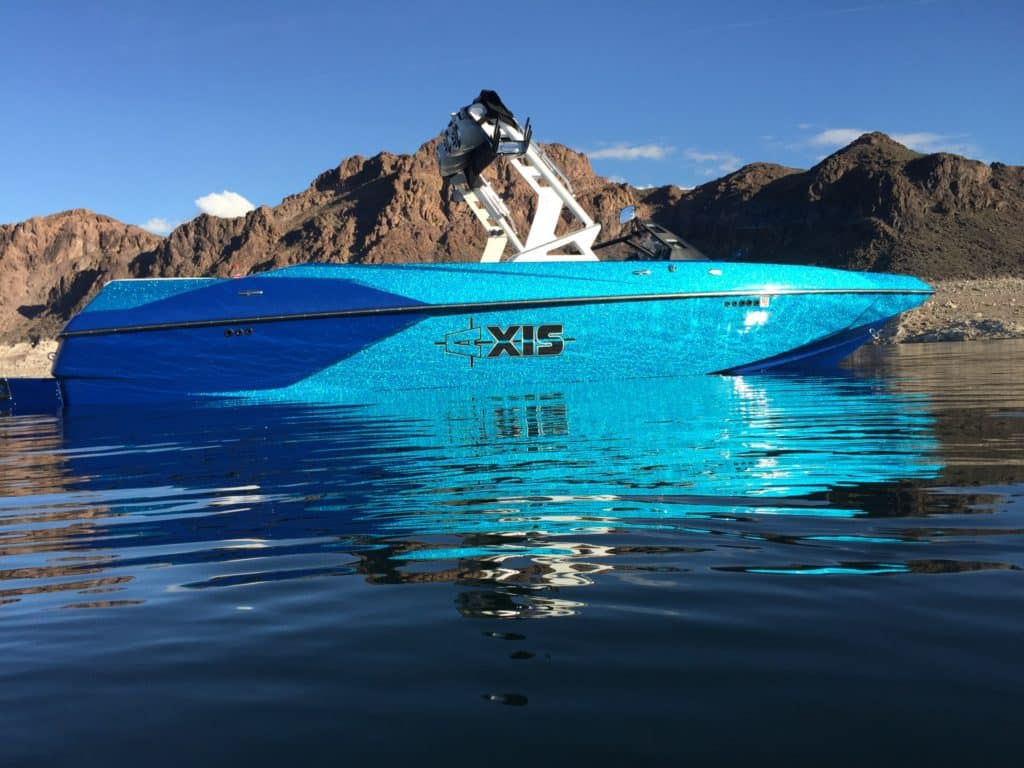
[153,112]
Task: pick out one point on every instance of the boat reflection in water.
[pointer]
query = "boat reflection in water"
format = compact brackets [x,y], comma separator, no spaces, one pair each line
[511,497]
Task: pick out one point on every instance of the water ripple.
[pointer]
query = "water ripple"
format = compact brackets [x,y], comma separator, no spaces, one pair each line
[556,489]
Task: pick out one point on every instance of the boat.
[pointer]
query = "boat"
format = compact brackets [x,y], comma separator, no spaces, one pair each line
[536,310]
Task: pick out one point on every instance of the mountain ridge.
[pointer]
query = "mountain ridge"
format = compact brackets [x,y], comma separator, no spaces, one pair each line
[873,204]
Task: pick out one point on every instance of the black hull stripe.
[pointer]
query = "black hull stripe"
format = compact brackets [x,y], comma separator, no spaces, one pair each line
[441,310]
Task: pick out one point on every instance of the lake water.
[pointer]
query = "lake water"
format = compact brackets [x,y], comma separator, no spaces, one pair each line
[820,570]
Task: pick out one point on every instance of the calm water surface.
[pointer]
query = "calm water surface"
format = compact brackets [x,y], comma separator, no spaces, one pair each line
[715,570]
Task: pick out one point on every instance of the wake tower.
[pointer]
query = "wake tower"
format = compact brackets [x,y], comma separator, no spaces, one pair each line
[485,130]
[476,136]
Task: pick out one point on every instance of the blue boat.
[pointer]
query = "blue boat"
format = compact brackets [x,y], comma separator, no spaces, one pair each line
[299,331]
[551,314]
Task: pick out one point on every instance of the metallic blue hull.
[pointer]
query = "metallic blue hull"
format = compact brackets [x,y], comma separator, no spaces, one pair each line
[335,332]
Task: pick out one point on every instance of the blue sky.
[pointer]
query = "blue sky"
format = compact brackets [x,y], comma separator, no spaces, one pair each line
[139,110]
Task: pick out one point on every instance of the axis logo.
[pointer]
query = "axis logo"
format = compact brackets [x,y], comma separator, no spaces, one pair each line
[482,342]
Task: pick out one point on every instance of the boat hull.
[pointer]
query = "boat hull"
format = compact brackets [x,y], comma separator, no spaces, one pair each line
[337,331]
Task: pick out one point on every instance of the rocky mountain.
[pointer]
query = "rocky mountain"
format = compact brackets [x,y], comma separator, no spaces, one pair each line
[872,205]
[50,265]
[388,208]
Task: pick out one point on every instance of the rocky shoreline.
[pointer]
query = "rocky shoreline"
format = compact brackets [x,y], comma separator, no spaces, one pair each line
[25,360]
[965,310]
[960,310]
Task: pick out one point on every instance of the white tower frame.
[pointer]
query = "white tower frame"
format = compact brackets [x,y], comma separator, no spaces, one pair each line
[554,193]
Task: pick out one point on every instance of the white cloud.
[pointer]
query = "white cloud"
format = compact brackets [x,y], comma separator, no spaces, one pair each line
[160,226]
[635,152]
[702,157]
[224,205]
[803,126]
[835,137]
[726,162]
[921,141]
